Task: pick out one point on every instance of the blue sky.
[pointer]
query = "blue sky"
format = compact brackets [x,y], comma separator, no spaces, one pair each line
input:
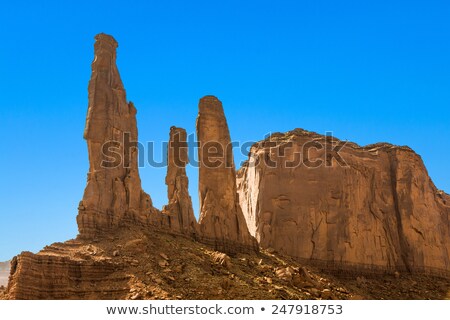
[368,71]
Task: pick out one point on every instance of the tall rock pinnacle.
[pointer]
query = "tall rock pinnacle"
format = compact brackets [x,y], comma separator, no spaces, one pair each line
[222,223]
[113,192]
[180,204]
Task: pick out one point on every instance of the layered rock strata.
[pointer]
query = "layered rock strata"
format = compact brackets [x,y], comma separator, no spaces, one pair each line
[371,207]
[55,273]
[222,223]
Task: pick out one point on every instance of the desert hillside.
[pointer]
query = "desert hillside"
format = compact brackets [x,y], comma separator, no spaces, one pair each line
[137,263]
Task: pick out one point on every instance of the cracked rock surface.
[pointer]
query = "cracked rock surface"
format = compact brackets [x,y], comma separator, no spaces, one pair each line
[379,210]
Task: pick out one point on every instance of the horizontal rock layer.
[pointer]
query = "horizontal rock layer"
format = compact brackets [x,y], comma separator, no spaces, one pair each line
[54,274]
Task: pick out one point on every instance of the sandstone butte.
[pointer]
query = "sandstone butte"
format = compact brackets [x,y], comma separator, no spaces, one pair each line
[376,208]
[378,214]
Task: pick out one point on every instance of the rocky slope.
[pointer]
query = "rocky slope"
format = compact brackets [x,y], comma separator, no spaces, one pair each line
[374,208]
[145,263]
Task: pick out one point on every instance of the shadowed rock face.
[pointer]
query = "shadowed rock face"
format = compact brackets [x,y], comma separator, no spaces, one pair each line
[180,204]
[381,210]
[113,192]
[222,223]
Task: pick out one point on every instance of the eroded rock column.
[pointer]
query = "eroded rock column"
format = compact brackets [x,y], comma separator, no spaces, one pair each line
[179,208]
[379,212]
[113,192]
[222,223]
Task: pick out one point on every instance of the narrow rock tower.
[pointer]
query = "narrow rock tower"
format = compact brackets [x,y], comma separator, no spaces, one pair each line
[113,192]
[180,204]
[222,223]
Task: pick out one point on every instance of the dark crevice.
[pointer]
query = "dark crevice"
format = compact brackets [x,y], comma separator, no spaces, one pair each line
[404,247]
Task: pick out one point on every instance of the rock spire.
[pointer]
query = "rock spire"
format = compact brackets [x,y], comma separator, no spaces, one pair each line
[222,223]
[113,192]
[180,204]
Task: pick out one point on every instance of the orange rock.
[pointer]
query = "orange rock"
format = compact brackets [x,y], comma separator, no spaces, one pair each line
[222,223]
[113,192]
[180,205]
[380,211]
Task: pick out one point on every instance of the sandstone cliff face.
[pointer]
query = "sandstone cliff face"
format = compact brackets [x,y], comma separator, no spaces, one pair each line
[380,210]
[180,204]
[222,223]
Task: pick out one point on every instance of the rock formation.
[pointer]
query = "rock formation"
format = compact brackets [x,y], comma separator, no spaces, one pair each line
[375,208]
[180,204]
[222,223]
[114,202]
[378,209]
[145,263]
[54,274]
[113,192]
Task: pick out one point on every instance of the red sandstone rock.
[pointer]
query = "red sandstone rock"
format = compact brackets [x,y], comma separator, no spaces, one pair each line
[113,193]
[180,204]
[380,211]
[55,274]
[222,223]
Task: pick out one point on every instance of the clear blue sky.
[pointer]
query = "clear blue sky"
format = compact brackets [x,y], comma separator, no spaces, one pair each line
[367,70]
